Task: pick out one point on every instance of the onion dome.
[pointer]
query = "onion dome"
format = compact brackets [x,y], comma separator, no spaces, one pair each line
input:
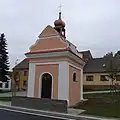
[59,22]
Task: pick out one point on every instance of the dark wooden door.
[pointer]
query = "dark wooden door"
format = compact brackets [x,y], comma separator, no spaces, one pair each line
[46,89]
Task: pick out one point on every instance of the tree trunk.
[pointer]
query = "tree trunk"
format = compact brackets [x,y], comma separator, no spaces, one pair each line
[112,88]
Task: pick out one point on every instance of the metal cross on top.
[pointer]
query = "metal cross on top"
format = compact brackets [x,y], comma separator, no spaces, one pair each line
[60,8]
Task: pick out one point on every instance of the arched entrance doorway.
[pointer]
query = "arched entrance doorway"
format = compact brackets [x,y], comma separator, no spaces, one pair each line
[46,88]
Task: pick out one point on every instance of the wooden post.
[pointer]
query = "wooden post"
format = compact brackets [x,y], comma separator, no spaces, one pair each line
[13,83]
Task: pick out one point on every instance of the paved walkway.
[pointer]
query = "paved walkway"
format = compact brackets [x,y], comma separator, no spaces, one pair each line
[5,103]
[75,111]
[9,94]
[106,91]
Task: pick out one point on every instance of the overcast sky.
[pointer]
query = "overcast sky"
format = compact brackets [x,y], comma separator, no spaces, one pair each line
[90,24]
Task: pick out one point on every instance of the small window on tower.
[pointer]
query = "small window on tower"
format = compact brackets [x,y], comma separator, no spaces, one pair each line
[74,77]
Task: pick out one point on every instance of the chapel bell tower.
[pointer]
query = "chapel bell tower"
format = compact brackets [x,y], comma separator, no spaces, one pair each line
[60,26]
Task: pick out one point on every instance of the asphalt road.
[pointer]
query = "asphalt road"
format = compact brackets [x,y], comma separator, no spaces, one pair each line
[9,115]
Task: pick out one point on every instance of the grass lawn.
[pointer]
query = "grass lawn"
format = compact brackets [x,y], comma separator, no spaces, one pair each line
[5,99]
[102,104]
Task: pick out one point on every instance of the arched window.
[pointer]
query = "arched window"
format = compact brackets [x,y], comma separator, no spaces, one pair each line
[74,77]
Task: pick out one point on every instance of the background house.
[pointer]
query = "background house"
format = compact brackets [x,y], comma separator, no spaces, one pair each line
[95,75]
[86,55]
[6,85]
[20,72]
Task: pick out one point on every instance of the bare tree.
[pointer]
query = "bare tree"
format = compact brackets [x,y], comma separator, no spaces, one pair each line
[112,67]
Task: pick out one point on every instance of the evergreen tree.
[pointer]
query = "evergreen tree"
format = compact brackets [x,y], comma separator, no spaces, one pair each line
[4,64]
[117,54]
[109,55]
